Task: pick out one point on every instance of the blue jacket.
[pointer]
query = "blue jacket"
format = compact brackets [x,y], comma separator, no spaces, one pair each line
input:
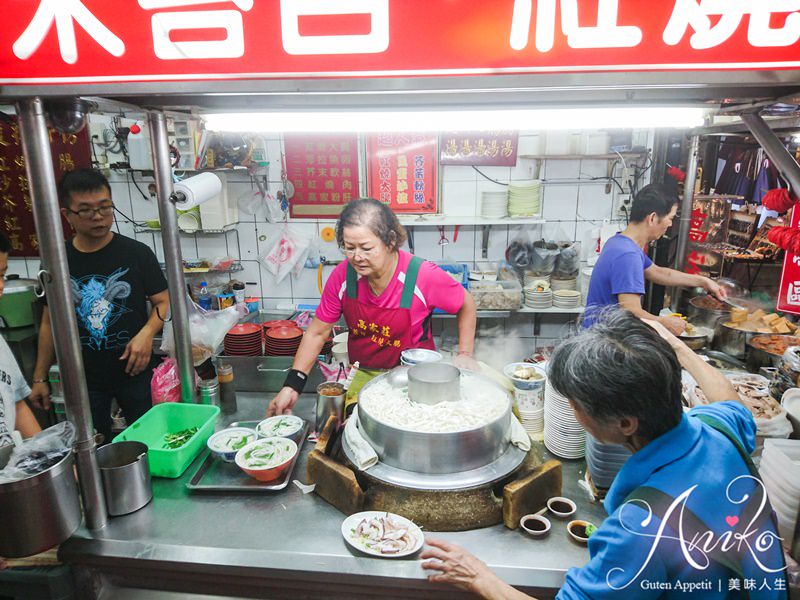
[629,559]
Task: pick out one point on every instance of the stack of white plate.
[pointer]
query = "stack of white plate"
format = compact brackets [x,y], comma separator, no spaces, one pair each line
[780,472]
[563,435]
[529,278]
[566,299]
[494,205]
[563,284]
[533,422]
[524,198]
[604,461]
[534,299]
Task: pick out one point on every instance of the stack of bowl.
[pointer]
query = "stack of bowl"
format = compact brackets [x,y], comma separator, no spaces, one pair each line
[529,381]
[524,198]
[538,299]
[282,341]
[604,461]
[563,435]
[244,339]
[564,284]
[566,299]
[494,205]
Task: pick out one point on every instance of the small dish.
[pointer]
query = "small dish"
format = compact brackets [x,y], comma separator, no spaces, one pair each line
[577,531]
[561,508]
[266,459]
[535,525]
[226,443]
[279,426]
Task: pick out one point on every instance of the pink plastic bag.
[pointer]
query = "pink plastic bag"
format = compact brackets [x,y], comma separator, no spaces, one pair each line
[166,383]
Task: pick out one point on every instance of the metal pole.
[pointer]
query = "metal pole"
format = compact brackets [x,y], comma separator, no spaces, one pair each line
[172,254]
[46,212]
[775,149]
[686,213]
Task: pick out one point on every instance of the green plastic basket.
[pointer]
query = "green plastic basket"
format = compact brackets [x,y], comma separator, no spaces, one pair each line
[171,417]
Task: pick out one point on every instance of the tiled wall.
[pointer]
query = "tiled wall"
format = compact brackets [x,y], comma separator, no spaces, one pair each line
[571,208]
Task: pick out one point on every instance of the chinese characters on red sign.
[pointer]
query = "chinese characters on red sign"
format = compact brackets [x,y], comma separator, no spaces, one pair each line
[70,151]
[789,290]
[401,171]
[489,148]
[86,41]
[324,172]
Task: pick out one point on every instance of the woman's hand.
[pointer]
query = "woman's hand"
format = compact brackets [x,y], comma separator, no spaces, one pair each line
[283,402]
[40,395]
[456,566]
[715,289]
[466,361]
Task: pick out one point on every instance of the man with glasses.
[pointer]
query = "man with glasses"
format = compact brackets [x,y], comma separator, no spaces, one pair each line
[113,279]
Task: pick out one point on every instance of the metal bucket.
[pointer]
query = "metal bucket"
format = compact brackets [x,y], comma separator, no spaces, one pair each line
[432,383]
[126,476]
[733,342]
[705,317]
[329,404]
[39,512]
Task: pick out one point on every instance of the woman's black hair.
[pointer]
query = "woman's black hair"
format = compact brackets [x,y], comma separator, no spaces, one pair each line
[377,217]
[620,367]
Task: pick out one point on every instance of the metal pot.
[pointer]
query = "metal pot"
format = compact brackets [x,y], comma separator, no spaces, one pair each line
[733,342]
[39,512]
[432,383]
[16,303]
[758,357]
[126,476]
[434,453]
[703,316]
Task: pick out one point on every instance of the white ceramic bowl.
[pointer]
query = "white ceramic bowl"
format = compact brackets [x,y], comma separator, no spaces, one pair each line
[535,525]
[279,426]
[272,470]
[226,443]
[561,507]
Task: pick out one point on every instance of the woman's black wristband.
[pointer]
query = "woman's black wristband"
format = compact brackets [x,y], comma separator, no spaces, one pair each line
[296,380]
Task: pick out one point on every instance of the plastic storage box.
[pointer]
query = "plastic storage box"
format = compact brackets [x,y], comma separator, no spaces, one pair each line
[497,295]
[172,417]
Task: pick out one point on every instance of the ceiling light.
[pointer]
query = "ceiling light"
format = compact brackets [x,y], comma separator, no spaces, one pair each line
[456,120]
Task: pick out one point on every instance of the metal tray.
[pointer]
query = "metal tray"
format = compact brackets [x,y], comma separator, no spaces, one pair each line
[216,475]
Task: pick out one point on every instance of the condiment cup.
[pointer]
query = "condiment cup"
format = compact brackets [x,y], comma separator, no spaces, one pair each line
[577,531]
[557,505]
[535,525]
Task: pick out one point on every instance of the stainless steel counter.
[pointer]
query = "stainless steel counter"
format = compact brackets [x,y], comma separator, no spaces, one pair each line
[288,544]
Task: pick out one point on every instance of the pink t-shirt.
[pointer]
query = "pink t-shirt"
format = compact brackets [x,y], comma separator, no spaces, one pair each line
[435,289]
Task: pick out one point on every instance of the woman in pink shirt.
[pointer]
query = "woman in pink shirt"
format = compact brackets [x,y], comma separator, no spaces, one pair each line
[386,296]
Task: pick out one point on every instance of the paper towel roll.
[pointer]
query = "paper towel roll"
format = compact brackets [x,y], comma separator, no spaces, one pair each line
[197,190]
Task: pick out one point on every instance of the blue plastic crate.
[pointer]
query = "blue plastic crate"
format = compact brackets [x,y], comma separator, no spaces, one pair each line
[461,269]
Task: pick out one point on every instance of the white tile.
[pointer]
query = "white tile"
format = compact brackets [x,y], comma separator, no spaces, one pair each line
[594,204]
[458,199]
[305,285]
[561,169]
[251,276]
[462,250]
[520,326]
[559,230]
[213,246]
[124,228]
[188,247]
[583,234]
[497,173]
[525,170]
[555,326]
[18,266]
[426,243]
[273,290]
[458,173]
[594,168]
[530,144]
[498,242]
[560,202]
[236,191]
[141,209]
[248,241]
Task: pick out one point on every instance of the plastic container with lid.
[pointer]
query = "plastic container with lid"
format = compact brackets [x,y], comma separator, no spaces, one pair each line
[227,389]
[497,295]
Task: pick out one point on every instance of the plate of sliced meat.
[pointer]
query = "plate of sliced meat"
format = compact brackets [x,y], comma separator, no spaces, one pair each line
[382,534]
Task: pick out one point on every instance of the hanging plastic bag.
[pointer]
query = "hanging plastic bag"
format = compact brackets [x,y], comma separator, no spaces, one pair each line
[165,386]
[568,261]
[281,257]
[207,329]
[543,257]
[39,453]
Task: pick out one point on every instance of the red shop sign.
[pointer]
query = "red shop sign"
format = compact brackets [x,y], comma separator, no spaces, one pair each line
[97,41]
[789,290]
[488,148]
[324,172]
[70,151]
[401,171]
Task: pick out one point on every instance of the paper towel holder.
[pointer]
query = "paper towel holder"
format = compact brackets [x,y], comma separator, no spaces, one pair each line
[202,194]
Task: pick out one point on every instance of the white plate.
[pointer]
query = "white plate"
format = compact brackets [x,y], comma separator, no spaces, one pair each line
[351,522]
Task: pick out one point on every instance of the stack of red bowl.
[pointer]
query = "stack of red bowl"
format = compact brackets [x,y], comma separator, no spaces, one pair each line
[277,323]
[282,341]
[244,339]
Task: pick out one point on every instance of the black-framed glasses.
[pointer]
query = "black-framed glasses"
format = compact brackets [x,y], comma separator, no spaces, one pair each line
[88,213]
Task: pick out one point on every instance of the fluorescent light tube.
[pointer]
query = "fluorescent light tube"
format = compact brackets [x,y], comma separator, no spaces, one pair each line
[457,120]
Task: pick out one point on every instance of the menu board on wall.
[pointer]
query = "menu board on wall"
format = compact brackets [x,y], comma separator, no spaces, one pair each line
[401,171]
[324,172]
[486,148]
[70,151]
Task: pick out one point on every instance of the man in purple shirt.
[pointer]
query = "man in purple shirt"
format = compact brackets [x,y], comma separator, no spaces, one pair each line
[621,270]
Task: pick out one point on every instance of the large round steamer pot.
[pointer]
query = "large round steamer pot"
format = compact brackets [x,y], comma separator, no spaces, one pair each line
[434,453]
